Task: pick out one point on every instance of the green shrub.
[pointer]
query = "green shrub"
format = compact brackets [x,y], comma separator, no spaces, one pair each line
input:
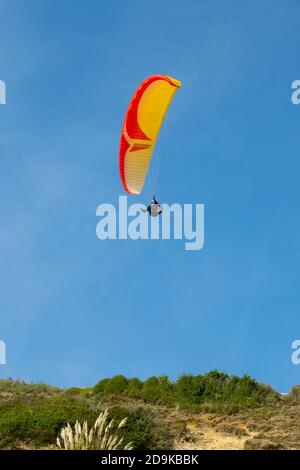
[143,429]
[191,391]
[101,387]
[39,424]
[158,389]
[218,387]
[134,388]
[117,385]
[166,389]
[114,386]
[150,390]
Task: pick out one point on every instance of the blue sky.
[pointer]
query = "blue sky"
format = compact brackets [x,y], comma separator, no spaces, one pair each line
[75,309]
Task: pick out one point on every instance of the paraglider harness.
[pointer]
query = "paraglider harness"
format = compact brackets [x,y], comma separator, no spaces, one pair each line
[154,208]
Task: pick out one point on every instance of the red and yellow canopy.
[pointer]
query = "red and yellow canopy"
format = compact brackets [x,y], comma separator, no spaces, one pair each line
[142,123]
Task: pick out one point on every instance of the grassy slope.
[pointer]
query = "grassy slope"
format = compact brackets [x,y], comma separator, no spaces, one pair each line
[31,416]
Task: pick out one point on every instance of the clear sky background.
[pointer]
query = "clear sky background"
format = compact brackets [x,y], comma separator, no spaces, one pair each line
[75,309]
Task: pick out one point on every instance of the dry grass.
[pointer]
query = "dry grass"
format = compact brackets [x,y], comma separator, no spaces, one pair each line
[262,429]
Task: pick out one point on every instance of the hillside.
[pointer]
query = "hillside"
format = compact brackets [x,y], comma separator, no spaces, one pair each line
[211,411]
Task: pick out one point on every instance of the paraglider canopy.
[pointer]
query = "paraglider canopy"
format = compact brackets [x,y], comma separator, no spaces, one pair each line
[142,123]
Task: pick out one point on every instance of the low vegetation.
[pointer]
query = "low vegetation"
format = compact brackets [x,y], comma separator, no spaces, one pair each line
[190,391]
[212,410]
